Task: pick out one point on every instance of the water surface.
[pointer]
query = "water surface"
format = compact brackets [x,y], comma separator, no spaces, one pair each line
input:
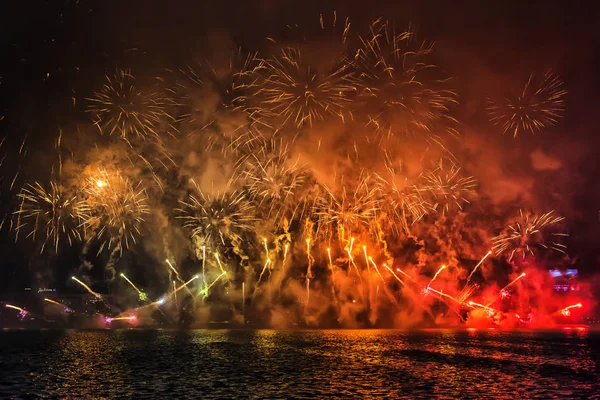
[210,364]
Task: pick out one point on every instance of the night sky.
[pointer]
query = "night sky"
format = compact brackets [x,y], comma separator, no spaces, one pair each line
[56,53]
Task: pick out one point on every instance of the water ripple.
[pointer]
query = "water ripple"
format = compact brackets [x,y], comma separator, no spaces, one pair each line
[299,364]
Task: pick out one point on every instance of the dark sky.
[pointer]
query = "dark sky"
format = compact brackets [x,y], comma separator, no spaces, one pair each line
[56,52]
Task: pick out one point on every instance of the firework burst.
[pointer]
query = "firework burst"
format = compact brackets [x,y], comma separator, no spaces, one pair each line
[447,186]
[352,210]
[50,214]
[403,204]
[526,236]
[396,86]
[127,110]
[297,93]
[217,220]
[539,105]
[116,210]
[272,180]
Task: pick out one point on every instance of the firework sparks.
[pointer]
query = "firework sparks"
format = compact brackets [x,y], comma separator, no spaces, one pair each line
[164,299]
[526,235]
[297,89]
[273,179]
[539,105]
[448,187]
[405,205]
[218,219]
[124,108]
[353,210]
[50,214]
[116,210]
[397,87]
[256,120]
[299,94]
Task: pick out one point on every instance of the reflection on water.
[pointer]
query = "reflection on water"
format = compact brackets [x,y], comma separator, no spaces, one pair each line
[306,364]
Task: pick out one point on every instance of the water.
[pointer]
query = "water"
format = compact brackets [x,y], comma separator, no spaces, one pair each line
[206,364]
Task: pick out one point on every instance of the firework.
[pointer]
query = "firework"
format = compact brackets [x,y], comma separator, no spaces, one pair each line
[394,274]
[478,264]
[109,320]
[272,180]
[398,87]
[539,105]
[66,309]
[447,186]
[172,268]
[143,296]
[303,235]
[116,210]
[527,235]
[504,291]
[352,210]
[491,311]
[235,79]
[52,215]
[566,312]
[164,299]
[297,86]
[435,276]
[403,206]
[86,287]
[217,219]
[127,109]
[22,312]
[297,93]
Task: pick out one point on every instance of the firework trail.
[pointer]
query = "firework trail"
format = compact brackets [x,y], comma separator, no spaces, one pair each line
[22,312]
[435,276]
[397,86]
[491,311]
[503,292]
[52,214]
[526,236]
[109,320]
[86,287]
[124,108]
[538,106]
[567,310]
[66,309]
[478,264]
[143,296]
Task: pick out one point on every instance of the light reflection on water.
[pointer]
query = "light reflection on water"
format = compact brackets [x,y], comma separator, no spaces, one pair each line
[299,364]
